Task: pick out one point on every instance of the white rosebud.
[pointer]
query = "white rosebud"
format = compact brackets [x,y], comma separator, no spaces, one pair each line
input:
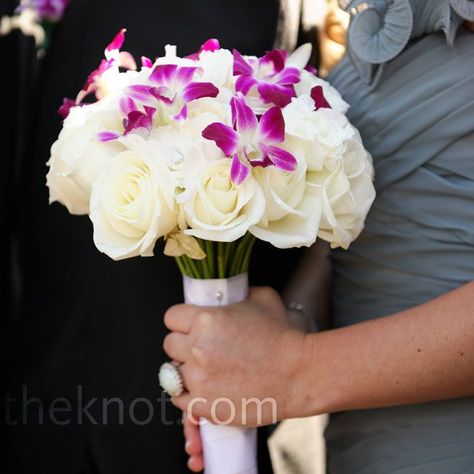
[132,202]
[292,212]
[309,80]
[219,210]
[346,193]
[320,135]
[78,157]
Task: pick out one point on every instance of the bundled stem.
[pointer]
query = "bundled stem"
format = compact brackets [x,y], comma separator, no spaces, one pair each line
[223,259]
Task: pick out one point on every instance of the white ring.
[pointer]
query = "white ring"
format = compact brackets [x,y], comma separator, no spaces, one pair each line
[170,379]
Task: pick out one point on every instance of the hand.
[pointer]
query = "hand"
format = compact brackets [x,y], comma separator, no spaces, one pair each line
[243,351]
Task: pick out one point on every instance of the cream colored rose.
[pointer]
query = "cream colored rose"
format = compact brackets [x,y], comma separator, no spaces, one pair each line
[132,202]
[346,193]
[219,210]
[309,80]
[319,135]
[292,212]
[78,157]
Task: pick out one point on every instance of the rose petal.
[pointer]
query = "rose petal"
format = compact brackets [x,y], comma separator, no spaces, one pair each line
[281,158]
[238,170]
[271,127]
[226,138]
[197,90]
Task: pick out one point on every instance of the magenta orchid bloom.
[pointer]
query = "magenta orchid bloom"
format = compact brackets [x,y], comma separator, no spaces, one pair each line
[273,80]
[210,45]
[173,86]
[51,10]
[251,142]
[114,58]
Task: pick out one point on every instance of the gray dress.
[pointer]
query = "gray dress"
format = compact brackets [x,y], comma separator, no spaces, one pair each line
[409,77]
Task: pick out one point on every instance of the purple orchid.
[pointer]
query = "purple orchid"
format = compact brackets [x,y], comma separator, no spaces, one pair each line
[273,80]
[174,87]
[251,142]
[51,10]
[210,45]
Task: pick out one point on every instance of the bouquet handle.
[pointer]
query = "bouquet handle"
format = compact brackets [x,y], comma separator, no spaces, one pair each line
[227,449]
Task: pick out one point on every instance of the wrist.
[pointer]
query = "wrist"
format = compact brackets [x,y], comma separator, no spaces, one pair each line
[314,386]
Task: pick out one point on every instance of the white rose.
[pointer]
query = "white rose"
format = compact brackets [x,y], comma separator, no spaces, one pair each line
[132,202]
[321,135]
[309,80]
[219,210]
[78,157]
[346,193]
[292,212]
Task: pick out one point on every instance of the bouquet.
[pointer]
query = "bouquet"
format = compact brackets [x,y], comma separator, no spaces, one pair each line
[208,153]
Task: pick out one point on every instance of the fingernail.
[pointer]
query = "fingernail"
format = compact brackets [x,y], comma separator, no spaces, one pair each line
[186,446]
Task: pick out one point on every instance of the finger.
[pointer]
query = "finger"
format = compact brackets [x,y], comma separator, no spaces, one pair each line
[196,463]
[180,317]
[193,438]
[190,405]
[177,346]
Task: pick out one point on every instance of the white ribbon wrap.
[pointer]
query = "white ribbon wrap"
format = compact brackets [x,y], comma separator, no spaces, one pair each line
[227,449]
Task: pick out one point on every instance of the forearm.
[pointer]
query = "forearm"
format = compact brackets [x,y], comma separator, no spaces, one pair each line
[421,354]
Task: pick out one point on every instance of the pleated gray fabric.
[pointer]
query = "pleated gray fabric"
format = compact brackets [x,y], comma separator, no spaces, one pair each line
[418,242]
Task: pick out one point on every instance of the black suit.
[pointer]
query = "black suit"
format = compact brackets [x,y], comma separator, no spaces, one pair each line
[87,321]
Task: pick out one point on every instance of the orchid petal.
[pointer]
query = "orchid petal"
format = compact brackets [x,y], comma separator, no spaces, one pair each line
[182,115]
[238,170]
[275,94]
[137,119]
[271,127]
[241,66]
[127,61]
[66,107]
[146,62]
[226,138]
[281,158]
[116,43]
[185,74]
[320,101]
[299,57]
[311,69]
[163,73]
[244,84]
[197,90]
[276,57]
[288,77]
[127,105]
[140,92]
[210,45]
[244,118]
[107,136]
